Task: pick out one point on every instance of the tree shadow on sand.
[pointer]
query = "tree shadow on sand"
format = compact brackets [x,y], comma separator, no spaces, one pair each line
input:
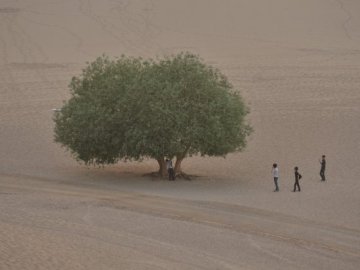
[182,175]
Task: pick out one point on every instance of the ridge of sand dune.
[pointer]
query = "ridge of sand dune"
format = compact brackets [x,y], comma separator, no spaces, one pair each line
[297,64]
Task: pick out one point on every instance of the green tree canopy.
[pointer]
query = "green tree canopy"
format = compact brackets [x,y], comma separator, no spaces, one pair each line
[130,108]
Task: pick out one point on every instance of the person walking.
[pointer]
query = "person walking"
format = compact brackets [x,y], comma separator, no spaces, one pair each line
[170,169]
[298,176]
[322,168]
[275,174]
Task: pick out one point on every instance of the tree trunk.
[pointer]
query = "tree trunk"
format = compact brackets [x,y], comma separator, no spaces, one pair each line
[179,158]
[178,165]
[162,167]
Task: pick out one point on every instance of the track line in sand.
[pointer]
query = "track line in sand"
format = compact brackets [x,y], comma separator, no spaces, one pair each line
[347,20]
[118,30]
[192,211]
[267,251]
[32,223]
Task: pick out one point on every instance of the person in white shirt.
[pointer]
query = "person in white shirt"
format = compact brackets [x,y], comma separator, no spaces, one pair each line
[275,174]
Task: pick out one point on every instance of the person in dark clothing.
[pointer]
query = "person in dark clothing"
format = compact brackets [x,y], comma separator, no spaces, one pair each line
[170,169]
[298,176]
[322,168]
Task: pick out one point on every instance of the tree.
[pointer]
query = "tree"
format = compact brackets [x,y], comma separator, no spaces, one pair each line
[130,109]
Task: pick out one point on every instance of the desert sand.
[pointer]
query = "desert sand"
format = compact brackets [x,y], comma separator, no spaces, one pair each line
[297,65]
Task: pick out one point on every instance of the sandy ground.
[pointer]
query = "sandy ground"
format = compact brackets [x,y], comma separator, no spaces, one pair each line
[297,63]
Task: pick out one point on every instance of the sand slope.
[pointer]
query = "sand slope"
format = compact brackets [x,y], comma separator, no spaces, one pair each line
[297,63]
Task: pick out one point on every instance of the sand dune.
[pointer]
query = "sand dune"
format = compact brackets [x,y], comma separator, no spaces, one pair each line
[297,64]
